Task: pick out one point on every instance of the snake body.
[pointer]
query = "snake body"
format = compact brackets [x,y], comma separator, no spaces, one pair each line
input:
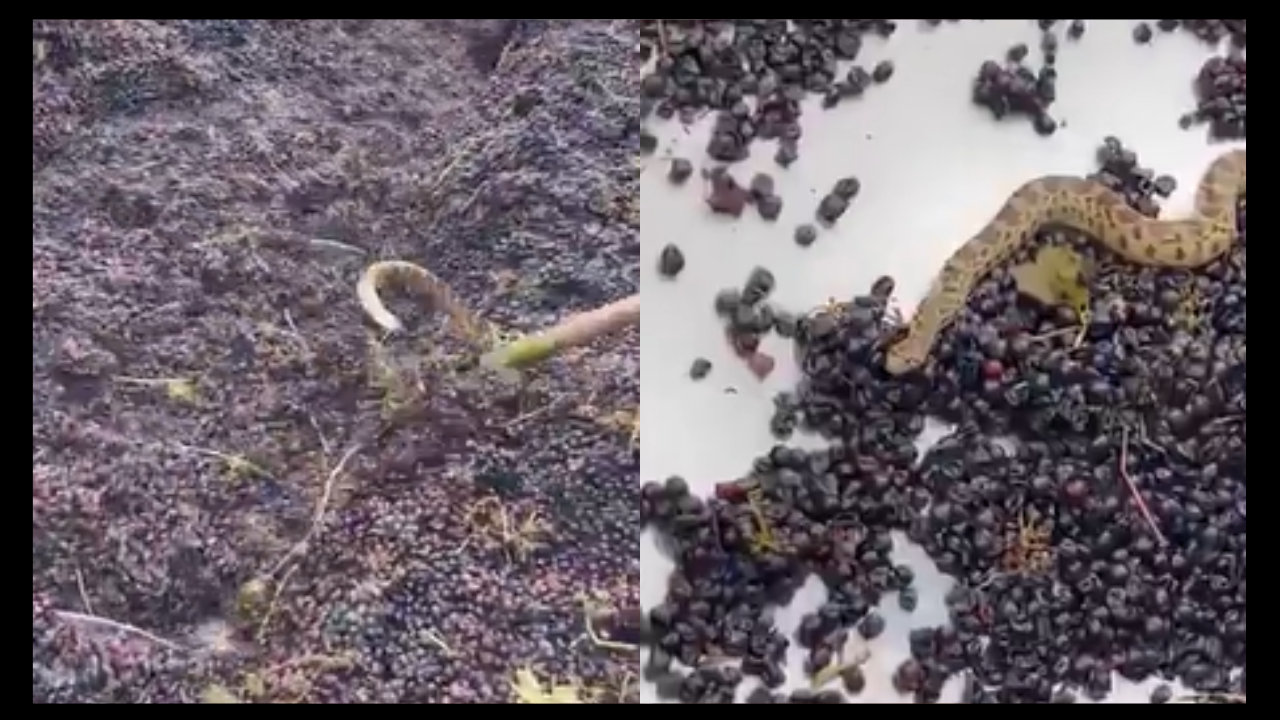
[1087,206]
[419,279]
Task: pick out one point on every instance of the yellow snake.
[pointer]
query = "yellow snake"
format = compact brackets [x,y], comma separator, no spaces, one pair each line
[1088,206]
[501,354]
[419,279]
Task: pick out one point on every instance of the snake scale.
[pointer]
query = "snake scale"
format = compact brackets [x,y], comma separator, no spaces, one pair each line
[1088,206]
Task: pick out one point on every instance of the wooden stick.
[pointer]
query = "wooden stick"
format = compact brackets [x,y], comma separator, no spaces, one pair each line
[585,327]
[573,332]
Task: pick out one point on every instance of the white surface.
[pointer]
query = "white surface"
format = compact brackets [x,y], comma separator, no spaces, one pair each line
[934,169]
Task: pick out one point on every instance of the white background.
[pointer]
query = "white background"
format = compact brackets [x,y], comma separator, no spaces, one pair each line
[934,169]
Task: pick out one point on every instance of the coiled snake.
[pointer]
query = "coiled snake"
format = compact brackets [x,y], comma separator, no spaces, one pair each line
[1087,206]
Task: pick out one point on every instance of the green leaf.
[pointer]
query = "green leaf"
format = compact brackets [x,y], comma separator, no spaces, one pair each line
[1056,276]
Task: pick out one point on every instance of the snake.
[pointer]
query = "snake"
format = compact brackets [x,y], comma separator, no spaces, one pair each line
[1088,206]
[500,353]
[384,273]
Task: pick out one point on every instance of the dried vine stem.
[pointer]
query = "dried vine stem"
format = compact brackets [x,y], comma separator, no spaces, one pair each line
[1141,504]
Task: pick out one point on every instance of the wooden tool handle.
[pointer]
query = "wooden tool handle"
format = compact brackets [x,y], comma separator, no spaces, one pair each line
[585,327]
